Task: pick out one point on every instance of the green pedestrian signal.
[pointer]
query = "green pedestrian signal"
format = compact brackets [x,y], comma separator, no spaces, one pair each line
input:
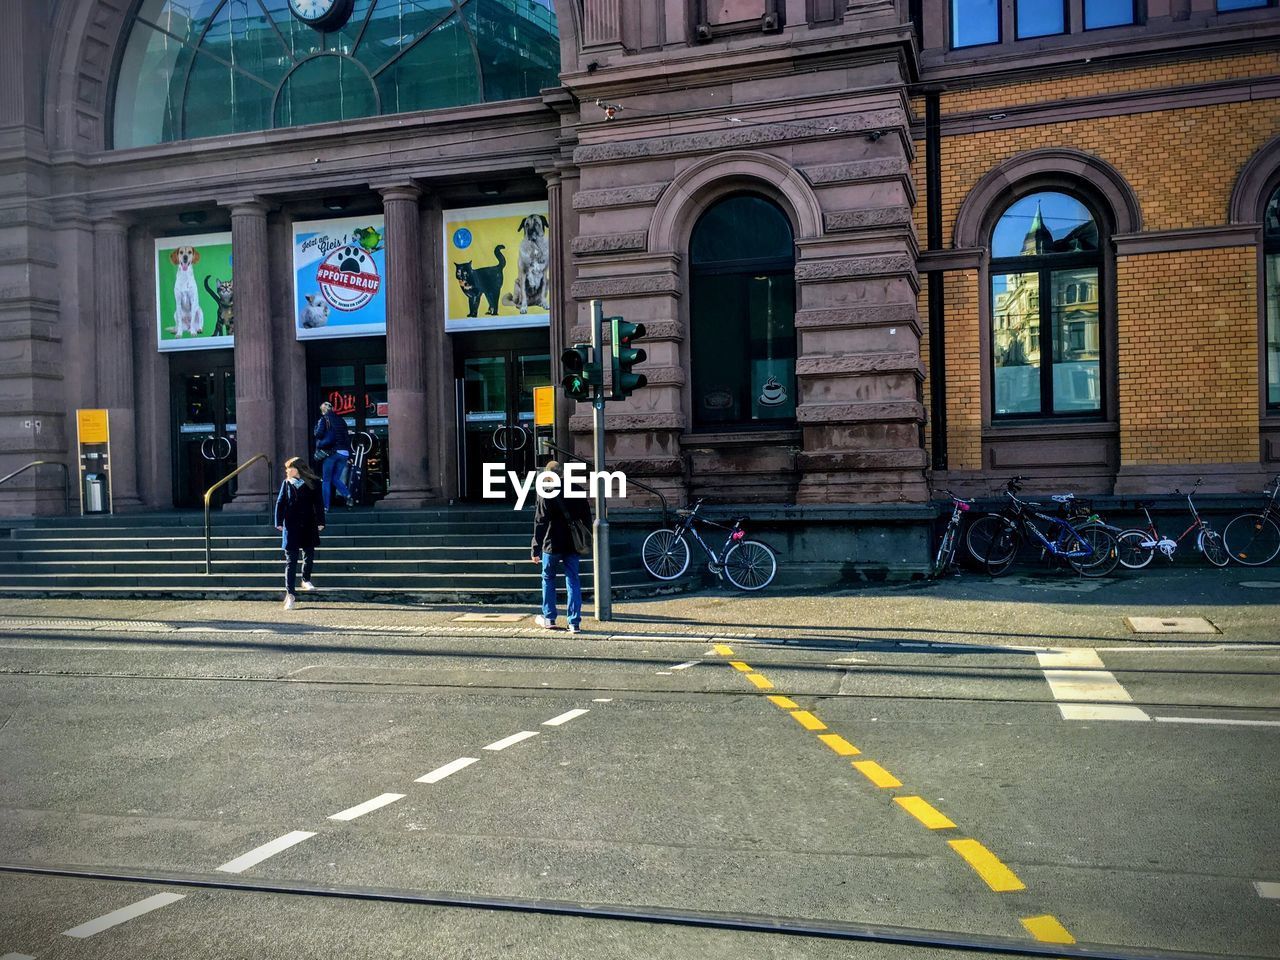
[580,374]
[623,334]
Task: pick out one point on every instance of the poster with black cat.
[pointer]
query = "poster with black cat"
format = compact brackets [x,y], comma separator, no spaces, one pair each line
[195,301]
[497,267]
[338,271]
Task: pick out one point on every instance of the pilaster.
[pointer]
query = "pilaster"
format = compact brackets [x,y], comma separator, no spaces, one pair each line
[115,373]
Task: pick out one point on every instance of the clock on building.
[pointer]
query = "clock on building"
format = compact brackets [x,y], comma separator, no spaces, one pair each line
[322,14]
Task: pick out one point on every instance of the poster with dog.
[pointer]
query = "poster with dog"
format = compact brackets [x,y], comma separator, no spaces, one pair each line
[195,299]
[497,267]
[338,272]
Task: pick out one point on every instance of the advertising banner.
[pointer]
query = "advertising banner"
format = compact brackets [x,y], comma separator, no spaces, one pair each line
[339,271]
[195,309]
[497,272]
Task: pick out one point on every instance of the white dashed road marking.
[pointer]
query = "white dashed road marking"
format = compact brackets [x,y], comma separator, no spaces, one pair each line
[1213,720]
[511,740]
[120,916]
[1267,889]
[439,773]
[257,855]
[368,806]
[686,666]
[1079,675]
[564,717]
[17,956]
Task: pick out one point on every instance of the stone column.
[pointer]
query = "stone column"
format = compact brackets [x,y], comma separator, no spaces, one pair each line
[442,406]
[115,358]
[255,383]
[409,417]
[555,197]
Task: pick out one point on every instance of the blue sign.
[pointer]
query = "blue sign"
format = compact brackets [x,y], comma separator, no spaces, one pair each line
[462,238]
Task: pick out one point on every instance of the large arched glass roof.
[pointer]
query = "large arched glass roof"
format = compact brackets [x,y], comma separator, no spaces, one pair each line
[207,68]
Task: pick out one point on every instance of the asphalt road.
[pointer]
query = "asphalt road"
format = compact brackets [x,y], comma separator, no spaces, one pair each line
[553,796]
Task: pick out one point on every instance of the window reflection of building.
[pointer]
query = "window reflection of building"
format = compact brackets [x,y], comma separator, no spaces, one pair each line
[1046,293]
[1271,278]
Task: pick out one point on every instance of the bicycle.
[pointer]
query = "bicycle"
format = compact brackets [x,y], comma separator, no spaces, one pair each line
[1254,538]
[1137,546]
[946,555]
[1089,549]
[747,564]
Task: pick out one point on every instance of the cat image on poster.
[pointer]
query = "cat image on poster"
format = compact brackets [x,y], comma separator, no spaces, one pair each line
[223,295]
[315,313]
[477,282]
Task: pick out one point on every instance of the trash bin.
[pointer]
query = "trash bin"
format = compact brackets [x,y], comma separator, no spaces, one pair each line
[95,493]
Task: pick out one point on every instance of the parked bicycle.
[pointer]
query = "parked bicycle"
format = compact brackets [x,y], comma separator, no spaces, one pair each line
[946,555]
[747,564]
[1138,546]
[997,539]
[1254,538]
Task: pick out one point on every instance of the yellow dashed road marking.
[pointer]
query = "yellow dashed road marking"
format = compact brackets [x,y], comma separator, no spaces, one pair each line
[839,744]
[876,773]
[925,812]
[808,720]
[1047,929]
[987,865]
[786,703]
[760,681]
[723,650]
[739,665]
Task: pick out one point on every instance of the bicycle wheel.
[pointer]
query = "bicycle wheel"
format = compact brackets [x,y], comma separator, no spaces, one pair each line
[1252,539]
[981,532]
[665,554]
[1211,545]
[1003,548]
[750,565]
[946,553]
[1103,556]
[1130,549]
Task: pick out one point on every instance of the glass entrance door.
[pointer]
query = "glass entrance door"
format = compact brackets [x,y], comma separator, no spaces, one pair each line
[496,404]
[204,395]
[352,375]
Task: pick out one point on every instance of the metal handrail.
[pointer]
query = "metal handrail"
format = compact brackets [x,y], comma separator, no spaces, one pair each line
[666,510]
[208,497]
[66,479]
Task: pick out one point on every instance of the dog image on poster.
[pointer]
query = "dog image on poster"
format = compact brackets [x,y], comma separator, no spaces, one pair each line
[195,307]
[498,261]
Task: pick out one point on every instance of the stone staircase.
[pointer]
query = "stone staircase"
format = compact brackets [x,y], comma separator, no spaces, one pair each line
[465,554]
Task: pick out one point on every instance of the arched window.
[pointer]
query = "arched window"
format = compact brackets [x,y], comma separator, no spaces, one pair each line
[1046,320]
[742,313]
[204,68]
[1271,272]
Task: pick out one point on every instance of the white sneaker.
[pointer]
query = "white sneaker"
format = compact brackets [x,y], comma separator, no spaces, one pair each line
[543,622]
[574,628]
[289,601]
[308,585]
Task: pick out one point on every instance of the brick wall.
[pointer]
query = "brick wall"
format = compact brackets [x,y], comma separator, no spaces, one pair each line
[964,371]
[1188,364]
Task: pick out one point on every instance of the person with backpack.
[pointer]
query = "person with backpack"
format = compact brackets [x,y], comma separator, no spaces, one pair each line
[561,534]
[333,448]
[299,516]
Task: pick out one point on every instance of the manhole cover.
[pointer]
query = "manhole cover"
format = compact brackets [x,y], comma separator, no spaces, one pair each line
[490,618]
[1170,625]
[1261,584]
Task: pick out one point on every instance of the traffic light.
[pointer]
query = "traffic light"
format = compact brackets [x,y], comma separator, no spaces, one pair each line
[580,374]
[625,356]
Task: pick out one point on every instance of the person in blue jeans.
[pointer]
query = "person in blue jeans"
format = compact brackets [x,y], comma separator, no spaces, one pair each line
[553,547]
[334,439]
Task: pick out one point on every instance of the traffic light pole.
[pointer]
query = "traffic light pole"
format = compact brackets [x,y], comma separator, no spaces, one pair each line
[601,558]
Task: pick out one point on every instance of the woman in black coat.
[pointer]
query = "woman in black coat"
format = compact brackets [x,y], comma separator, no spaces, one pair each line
[299,518]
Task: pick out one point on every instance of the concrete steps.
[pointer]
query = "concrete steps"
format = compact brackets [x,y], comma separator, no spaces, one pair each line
[463,555]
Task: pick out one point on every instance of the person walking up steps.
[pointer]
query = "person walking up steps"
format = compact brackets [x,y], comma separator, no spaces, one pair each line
[561,533]
[333,450]
[299,518]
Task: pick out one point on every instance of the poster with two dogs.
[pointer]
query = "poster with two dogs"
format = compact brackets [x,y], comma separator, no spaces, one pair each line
[497,271]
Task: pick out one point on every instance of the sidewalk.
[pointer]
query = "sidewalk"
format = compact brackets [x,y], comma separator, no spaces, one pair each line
[1053,609]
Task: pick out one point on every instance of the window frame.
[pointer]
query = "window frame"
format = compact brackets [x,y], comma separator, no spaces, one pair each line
[1044,266]
[1270,246]
[1266,4]
[1007,29]
[1134,11]
[1066,23]
[742,267]
[951,28]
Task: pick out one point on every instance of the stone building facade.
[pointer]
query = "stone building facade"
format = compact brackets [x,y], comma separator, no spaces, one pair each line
[891,146]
